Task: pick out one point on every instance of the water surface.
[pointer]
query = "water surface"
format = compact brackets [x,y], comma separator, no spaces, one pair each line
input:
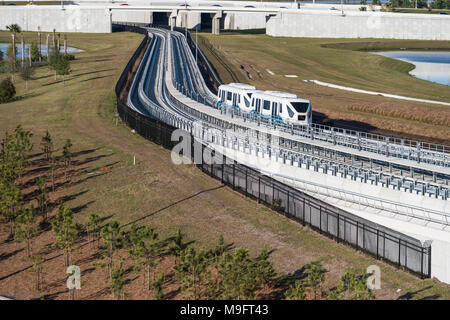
[430,65]
[4,48]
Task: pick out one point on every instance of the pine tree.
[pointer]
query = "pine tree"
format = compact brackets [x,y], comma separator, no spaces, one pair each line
[113,240]
[316,276]
[265,271]
[352,286]
[178,245]
[192,271]
[147,249]
[37,268]
[158,287]
[67,156]
[93,228]
[42,197]
[296,291]
[47,145]
[25,227]
[66,231]
[117,281]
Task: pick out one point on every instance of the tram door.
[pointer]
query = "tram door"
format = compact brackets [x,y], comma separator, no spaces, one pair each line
[234,99]
[274,109]
[258,105]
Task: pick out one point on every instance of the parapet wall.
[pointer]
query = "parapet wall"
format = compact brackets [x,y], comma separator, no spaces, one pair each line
[71,19]
[385,25]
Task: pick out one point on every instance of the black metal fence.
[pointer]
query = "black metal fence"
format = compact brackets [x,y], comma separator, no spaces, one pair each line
[379,241]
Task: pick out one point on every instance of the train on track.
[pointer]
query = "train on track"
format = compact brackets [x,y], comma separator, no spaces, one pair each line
[275,106]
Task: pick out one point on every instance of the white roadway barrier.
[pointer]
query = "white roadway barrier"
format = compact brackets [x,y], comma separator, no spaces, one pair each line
[354,24]
[71,19]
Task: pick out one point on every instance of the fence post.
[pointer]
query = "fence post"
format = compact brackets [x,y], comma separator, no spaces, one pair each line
[223,168]
[357,234]
[287,203]
[234,175]
[429,261]
[378,233]
[399,250]
[338,227]
[259,189]
[320,218]
[304,208]
[246,175]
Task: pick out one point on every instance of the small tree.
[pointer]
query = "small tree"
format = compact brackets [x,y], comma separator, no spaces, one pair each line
[238,275]
[147,250]
[65,230]
[191,271]
[113,240]
[178,245]
[25,227]
[26,73]
[42,197]
[117,281]
[352,286]
[316,276]
[11,61]
[53,58]
[158,287]
[53,167]
[93,228]
[67,156]
[37,268]
[265,270]
[7,90]
[63,68]
[35,52]
[47,145]
[296,291]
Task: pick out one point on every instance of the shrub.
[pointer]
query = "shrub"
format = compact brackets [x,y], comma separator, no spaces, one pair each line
[7,90]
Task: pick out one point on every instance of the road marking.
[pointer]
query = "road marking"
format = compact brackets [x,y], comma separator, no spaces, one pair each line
[291,76]
[270,72]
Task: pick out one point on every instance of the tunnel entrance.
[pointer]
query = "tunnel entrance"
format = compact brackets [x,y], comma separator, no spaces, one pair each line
[206,22]
[161,18]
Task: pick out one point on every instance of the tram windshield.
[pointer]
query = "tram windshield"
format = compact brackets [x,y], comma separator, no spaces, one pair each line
[300,106]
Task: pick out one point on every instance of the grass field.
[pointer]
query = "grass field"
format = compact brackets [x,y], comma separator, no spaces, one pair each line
[343,62]
[156,191]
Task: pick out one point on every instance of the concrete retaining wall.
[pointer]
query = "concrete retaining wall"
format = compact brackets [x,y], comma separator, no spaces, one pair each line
[244,21]
[323,24]
[71,19]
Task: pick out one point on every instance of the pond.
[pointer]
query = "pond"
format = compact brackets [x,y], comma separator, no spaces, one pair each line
[4,48]
[430,65]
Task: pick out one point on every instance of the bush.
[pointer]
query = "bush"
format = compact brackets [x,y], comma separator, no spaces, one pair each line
[7,90]
[69,57]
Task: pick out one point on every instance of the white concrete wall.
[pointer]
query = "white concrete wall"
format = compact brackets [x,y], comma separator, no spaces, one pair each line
[138,16]
[244,21]
[72,19]
[331,24]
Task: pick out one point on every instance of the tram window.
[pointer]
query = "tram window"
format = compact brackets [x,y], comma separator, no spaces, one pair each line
[239,98]
[281,107]
[249,94]
[290,112]
[253,102]
[229,95]
[247,103]
[266,105]
[300,106]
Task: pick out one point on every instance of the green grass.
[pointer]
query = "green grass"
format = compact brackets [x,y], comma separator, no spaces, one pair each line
[166,196]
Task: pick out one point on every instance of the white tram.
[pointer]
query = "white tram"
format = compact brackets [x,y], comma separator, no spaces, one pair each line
[281,107]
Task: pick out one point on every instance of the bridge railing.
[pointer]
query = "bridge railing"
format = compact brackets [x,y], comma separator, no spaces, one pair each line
[379,241]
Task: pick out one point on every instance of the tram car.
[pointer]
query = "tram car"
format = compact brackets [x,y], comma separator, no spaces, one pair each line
[236,96]
[281,107]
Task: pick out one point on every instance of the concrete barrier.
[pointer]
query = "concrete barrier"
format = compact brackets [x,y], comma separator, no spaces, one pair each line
[71,19]
[332,24]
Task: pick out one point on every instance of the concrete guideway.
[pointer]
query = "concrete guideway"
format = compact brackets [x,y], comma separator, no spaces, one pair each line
[374,93]
[402,215]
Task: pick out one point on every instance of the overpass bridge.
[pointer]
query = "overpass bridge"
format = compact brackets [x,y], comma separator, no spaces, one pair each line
[195,17]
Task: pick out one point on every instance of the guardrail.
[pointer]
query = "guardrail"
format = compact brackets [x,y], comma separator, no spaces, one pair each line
[379,241]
